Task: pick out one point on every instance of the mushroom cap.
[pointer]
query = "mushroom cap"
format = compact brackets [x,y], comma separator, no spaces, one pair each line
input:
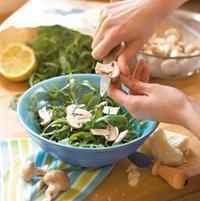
[103,68]
[113,133]
[58,178]
[73,121]
[112,69]
[110,133]
[76,117]
[74,109]
[99,131]
[27,170]
[45,115]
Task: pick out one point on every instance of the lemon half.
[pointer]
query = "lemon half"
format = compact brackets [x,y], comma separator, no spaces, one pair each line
[17,62]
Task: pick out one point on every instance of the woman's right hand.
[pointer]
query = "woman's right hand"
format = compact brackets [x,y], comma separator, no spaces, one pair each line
[129,21]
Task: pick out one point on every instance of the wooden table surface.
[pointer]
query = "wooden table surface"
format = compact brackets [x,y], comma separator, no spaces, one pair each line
[115,186]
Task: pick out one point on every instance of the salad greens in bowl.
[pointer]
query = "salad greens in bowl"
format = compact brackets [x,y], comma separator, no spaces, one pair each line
[67,117]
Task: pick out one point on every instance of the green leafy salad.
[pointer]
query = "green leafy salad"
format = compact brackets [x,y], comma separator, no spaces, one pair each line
[60,51]
[77,115]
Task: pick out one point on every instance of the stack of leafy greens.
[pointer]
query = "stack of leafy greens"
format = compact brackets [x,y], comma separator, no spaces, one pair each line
[81,94]
[60,51]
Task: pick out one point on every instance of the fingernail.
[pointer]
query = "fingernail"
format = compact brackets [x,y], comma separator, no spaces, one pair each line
[93,54]
[92,46]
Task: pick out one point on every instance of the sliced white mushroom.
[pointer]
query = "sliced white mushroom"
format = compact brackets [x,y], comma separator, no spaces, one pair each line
[113,133]
[111,69]
[110,133]
[110,110]
[121,136]
[73,121]
[114,75]
[99,131]
[70,108]
[46,115]
[103,68]
[76,116]
[79,112]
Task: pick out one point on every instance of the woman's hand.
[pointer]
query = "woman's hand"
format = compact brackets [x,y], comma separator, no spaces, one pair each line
[151,101]
[129,21]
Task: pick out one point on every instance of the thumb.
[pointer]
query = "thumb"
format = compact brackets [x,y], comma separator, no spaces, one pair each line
[126,57]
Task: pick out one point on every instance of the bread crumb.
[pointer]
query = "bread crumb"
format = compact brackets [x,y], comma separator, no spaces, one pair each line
[133,175]
[131,168]
[133,182]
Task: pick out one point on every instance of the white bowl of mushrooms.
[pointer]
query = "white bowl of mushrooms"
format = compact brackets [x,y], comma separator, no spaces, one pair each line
[169,56]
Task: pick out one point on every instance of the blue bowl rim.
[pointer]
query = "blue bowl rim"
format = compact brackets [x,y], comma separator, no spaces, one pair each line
[37,135]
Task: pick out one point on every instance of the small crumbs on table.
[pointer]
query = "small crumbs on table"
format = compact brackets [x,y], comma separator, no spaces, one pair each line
[133,175]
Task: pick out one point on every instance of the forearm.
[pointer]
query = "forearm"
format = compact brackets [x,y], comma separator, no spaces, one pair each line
[192,117]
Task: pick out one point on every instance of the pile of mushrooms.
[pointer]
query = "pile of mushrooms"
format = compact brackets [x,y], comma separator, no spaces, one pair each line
[111,69]
[171,44]
[76,116]
[56,180]
[177,57]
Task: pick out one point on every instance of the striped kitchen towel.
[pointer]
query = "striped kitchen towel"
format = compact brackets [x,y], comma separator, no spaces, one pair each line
[13,188]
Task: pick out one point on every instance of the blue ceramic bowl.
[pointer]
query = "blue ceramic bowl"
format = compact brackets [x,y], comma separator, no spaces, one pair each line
[85,157]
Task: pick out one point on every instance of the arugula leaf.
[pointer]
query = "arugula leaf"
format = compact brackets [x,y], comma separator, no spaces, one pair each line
[84,139]
[115,120]
[60,51]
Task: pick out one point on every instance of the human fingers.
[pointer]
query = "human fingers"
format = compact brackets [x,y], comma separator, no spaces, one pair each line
[97,35]
[145,74]
[115,91]
[138,70]
[135,86]
[142,72]
[125,58]
[105,46]
[131,102]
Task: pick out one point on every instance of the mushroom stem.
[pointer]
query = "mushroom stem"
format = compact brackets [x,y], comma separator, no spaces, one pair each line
[110,133]
[29,170]
[111,69]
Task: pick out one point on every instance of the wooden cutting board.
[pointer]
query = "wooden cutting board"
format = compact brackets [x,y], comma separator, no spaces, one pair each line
[115,187]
